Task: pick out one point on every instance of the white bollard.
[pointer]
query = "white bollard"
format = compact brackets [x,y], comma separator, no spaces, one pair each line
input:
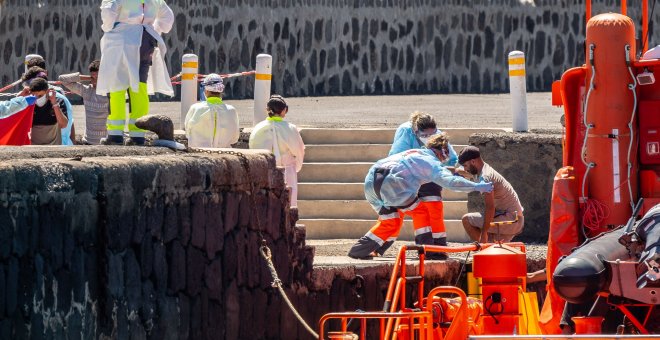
[189,70]
[262,86]
[518,87]
[30,57]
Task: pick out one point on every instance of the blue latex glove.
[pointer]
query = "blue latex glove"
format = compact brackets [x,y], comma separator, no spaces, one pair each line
[30,99]
[483,187]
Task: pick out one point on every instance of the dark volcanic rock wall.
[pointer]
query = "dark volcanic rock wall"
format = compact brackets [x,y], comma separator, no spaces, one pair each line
[161,247]
[329,47]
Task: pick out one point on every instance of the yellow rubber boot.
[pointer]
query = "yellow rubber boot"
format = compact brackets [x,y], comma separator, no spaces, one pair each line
[139,108]
[117,117]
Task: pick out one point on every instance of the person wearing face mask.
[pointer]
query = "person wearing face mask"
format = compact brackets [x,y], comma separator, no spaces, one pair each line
[69,131]
[502,204]
[96,106]
[50,114]
[429,221]
[392,188]
[132,52]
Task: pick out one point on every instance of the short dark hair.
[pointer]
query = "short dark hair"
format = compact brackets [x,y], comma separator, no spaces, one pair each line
[94,66]
[36,61]
[34,72]
[469,153]
[38,84]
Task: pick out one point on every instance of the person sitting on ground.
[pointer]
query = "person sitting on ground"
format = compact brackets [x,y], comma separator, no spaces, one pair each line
[50,114]
[392,188]
[96,106]
[500,205]
[429,222]
[212,123]
[68,132]
[282,139]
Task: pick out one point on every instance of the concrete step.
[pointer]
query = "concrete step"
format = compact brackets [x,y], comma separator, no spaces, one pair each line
[352,191]
[361,209]
[335,229]
[346,152]
[334,172]
[378,136]
[351,152]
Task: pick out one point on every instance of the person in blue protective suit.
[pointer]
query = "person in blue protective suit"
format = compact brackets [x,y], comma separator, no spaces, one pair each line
[428,222]
[392,186]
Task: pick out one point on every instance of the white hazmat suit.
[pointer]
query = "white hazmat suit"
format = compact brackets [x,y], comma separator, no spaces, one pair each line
[211,124]
[124,21]
[284,141]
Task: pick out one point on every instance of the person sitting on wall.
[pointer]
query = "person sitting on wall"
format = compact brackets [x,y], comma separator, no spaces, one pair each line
[96,106]
[212,123]
[392,188]
[283,140]
[50,114]
[502,204]
[69,131]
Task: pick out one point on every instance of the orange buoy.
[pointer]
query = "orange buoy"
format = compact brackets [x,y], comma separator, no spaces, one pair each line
[610,105]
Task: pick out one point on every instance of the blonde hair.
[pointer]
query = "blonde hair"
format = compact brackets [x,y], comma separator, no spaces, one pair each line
[422,121]
[439,142]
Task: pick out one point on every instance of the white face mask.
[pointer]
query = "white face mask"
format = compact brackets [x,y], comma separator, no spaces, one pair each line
[41,101]
[424,140]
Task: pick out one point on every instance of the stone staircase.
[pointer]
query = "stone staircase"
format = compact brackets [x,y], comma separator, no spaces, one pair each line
[331,199]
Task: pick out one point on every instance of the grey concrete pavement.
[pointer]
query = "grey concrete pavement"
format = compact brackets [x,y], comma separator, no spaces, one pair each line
[450,110]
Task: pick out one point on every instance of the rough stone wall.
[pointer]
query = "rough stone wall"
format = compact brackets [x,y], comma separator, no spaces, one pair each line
[162,247]
[329,47]
[529,161]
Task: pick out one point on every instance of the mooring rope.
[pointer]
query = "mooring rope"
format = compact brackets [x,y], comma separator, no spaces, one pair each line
[277,283]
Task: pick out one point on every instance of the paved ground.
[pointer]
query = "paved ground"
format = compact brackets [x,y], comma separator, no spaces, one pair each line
[333,252]
[450,110]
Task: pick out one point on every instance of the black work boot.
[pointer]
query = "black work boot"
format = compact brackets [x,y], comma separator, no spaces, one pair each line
[138,141]
[441,241]
[113,140]
[363,249]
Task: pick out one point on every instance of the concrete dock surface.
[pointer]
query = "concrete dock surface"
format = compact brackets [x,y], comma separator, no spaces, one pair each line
[450,111]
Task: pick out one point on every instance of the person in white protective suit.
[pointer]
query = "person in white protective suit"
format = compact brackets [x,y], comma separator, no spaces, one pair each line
[212,123]
[132,53]
[283,139]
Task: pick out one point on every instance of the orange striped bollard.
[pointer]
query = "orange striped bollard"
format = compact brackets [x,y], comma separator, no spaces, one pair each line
[262,87]
[189,70]
[518,88]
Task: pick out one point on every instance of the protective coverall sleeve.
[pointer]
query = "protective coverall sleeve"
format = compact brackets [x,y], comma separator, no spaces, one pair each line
[235,124]
[453,157]
[164,19]
[189,121]
[109,14]
[402,141]
[72,82]
[447,180]
[297,147]
[9,107]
